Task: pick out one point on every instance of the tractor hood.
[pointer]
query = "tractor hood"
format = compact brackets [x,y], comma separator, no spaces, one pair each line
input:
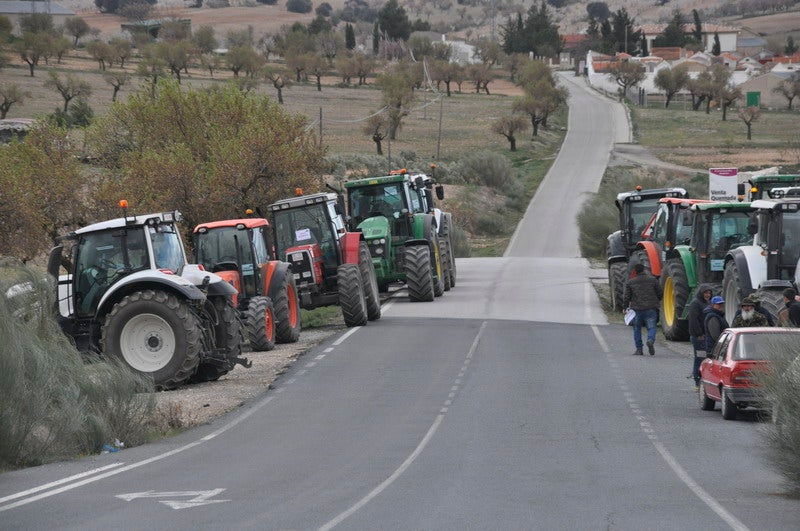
[376,227]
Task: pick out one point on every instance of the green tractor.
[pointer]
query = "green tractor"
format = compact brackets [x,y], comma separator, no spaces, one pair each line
[770,187]
[403,238]
[716,228]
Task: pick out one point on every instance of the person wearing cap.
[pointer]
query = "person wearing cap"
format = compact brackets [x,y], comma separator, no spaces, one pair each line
[643,294]
[760,309]
[748,315]
[790,315]
[714,321]
[697,331]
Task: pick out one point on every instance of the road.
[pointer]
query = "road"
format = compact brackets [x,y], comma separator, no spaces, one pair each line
[509,403]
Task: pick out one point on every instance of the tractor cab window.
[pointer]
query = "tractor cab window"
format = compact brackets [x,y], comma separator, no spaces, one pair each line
[224,245]
[306,226]
[260,239]
[369,201]
[683,232]
[167,248]
[102,259]
[659,231]
[790,244]
[640,214]
[728,230]
[337,222]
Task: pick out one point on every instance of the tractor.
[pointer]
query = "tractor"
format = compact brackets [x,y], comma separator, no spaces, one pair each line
[716,228]
[402,237]
[129,293]
[635,210]
[669,227]
[768,187]
[331,266]
[769,264]
[425,187]
[241,252]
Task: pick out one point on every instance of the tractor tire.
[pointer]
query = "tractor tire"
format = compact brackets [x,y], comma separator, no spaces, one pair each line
[445,233]
[731,289]
[617,275]
[259,323]
[369,282]
[446,263]
[351,295]
[771,301]
[675,286]
[155,334]
[286,304]
[437,264]
[228,336]
[419,278]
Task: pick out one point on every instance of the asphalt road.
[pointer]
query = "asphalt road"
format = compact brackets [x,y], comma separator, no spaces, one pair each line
[509,403]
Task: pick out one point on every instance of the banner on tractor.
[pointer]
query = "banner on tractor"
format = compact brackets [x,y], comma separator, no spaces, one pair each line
[722,183]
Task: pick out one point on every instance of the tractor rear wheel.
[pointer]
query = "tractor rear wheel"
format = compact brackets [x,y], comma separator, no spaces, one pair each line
[419,278]
[447,265]
[287,310]
[369,282]
[771,300]
[675,286]
[617,275]
[445,233]
[259,322]
[437,263]
[351,295]
[155,334]
[731,289]
[228,336]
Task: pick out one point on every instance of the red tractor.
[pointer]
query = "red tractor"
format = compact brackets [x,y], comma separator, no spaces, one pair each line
[331,265]
[241,252]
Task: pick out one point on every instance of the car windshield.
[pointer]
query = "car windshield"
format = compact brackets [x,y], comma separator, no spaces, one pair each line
[762,346]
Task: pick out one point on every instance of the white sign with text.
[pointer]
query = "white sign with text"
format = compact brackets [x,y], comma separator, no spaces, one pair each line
[722,184]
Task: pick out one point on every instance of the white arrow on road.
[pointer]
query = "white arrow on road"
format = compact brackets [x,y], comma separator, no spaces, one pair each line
[201,497]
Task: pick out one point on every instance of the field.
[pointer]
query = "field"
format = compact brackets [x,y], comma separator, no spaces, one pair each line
[700,140]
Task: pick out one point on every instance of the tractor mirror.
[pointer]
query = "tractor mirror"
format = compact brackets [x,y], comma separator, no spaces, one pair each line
[752,225]
[419,183]
[439,192]
[740,189]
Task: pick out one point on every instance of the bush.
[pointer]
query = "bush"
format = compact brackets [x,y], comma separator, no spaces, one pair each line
[460,242]
[299,6]
[61,407]
[780,387]
[489,169]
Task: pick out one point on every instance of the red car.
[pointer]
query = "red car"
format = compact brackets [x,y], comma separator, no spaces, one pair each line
[726,375]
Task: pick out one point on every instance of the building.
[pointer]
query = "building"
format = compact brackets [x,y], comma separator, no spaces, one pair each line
[762,89]
[15,9]
[727,36]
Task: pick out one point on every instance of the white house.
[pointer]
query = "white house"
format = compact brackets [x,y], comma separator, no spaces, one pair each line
[727,36]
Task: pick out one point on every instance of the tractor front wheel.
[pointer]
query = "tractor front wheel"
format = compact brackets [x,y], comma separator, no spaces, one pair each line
[419,277]
[351,295]
[228,337]
[287,310]
[731,289]
[369,282]
[259,321]
[676,292]
[155,334]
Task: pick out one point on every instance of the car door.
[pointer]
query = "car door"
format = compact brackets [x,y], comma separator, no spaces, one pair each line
[712,371]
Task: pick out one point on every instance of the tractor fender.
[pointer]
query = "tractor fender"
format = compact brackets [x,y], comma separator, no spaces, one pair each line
[350,243]
[416,241]
[429,227]
[615,250]
[751,265]
[274,272]
[654,254]
[150,279]
[687,257]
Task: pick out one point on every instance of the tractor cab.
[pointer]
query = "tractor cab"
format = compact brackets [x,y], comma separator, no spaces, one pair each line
[388,197]
[236,250]
[307,232]
[770,187]
[636,209]
[718,227]
[777,232]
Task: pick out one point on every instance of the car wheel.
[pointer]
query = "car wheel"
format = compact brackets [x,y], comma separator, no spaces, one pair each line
[706,402]
[728,407]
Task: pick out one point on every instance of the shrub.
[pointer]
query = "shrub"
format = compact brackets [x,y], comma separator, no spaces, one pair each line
[61,406]
[460,242]
[780,387]
[489,169]
[299,6]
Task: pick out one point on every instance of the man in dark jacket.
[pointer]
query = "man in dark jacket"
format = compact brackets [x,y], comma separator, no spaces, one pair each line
[790,316]
[753,297]
[643,294]
[715,321]
[697,330]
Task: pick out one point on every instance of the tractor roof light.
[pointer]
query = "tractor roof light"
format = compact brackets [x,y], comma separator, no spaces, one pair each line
[123,203]
[248,212]
[240,226]
[638,187]
[298,192]
[753,190]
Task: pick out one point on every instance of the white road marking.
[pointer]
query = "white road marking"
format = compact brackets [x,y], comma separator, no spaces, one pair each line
[58,482]
[409,460]
[200,497]
[329,349]
[684,476]
[346,335]
[310,364]
[320,357]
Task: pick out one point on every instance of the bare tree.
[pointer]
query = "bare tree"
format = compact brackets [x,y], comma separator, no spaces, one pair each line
[116,80]
[69,87]
[748,116]
[377,126]
[508,126]
[280,79]
[627,74]
[789,89]
[9,95]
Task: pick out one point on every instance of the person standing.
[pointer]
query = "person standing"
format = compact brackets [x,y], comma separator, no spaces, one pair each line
[790,315]
[697,329]
[748,315]
[643,294]
[715,321]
